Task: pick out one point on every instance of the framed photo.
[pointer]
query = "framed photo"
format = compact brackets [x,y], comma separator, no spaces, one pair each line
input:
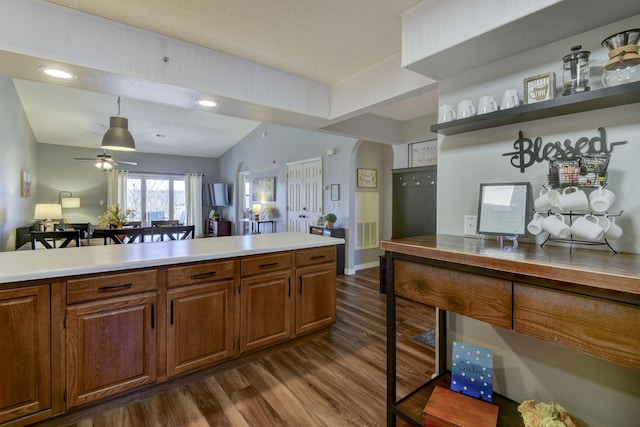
[367,178]
[335,192]
[25,183]
[539,88]
[423,153]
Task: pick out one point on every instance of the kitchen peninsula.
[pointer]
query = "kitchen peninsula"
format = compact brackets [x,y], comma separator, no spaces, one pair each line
[84,324]
[583,300]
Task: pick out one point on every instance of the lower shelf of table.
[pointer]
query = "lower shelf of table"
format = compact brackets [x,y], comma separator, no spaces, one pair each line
[410,407]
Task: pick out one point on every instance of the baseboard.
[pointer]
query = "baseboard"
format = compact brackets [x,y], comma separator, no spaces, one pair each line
[350,271]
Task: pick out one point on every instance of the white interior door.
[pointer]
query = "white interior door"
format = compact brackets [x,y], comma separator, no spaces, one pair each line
[304,194]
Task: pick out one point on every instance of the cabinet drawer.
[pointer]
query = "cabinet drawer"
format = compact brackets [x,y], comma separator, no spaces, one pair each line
[315,256]
[606,329]
[266,263]
[482,297]
[200,273]
[110,285]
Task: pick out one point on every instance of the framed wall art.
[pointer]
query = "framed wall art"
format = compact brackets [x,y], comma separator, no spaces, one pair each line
[335,192]
[539,88]
[25,183]
[264,189]
[367,178]
[423,153]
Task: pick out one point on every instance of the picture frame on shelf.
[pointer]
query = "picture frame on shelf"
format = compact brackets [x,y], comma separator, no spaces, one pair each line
[367,178]
[541,87]
[423,153]
[335,192]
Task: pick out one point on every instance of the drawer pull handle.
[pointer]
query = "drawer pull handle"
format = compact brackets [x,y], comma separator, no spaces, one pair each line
[271,264]
[201,275]
[318,257]
[115,287]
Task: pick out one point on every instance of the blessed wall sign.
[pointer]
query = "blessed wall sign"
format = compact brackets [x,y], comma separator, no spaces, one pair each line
[528,151]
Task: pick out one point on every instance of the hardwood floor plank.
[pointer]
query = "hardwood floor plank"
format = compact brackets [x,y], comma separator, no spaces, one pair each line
[333,380]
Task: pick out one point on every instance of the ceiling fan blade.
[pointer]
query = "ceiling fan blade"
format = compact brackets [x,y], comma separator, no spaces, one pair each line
[126,163]
[84,158]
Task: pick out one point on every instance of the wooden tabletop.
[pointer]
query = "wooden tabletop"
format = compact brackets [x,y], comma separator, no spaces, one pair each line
[595,269]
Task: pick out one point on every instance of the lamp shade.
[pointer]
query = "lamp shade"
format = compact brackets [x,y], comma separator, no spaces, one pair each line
[70,202]
[48,211]
[118,137]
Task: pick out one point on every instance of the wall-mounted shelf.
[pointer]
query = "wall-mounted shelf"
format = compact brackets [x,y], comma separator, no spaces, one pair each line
[586,101]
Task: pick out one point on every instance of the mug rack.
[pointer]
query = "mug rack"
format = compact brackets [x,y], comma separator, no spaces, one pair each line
[571,241]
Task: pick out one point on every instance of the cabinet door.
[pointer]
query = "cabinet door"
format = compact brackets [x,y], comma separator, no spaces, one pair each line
[265,310]
[200,326]
[111,347]
[315,297]
[25,358]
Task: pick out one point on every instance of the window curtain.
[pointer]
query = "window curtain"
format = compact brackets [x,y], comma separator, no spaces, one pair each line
[194,202]
[117,188]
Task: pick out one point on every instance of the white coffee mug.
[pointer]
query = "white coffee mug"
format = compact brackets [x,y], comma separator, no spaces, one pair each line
[466,109]
[601,199]
[614,232]
[446,113]
[548,199]
[487,105]
[554,224]
[573,199]
[587,227]
[535,225]
[510,99]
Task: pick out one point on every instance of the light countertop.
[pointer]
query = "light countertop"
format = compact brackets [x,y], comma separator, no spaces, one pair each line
[44,264]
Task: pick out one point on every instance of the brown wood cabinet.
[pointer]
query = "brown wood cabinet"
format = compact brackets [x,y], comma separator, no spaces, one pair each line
[25,359]
[200,315]
[265,310]
[315,295]
[111,343]
[215,228]
[76,340]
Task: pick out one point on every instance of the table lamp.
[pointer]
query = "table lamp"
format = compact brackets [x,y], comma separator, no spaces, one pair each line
[47,212]
[68,201]
[257,207]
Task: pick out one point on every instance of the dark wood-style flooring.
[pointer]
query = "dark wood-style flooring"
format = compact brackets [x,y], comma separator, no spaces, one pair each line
[336,379]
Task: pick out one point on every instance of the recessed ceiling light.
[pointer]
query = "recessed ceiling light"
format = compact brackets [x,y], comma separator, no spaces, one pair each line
[206,102]
[59,74]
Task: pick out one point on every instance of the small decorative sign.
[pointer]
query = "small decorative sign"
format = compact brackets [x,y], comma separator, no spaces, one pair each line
[335,192]
[423,153]
[539,88]
[367,178]
[472,371]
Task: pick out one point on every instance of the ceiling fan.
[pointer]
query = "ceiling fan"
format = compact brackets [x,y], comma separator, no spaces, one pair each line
[104,161]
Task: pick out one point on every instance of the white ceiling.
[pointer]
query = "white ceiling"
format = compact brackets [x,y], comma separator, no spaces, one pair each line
[326,41]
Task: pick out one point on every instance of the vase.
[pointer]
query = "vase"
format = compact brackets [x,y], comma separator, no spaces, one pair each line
[330,225]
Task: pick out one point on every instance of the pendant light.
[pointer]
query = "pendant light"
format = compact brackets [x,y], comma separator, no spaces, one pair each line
[118,137]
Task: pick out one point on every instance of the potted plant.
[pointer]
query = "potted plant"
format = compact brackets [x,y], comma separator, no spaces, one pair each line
[115,217]
[330,218]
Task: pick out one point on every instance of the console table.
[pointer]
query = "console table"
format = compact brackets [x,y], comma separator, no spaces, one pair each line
[546,293]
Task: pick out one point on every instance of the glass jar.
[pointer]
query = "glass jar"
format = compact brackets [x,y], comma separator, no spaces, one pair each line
[575,71]
[624,61]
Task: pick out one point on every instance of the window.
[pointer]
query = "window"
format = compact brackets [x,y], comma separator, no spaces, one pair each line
[156,197]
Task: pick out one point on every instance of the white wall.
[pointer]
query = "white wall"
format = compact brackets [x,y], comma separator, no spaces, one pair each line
[599,393]
[17,152]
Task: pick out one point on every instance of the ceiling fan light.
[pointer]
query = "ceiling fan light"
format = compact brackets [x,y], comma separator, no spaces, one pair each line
[118,137]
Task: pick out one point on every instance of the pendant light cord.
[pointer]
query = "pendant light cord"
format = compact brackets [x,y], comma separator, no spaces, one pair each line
[118,106]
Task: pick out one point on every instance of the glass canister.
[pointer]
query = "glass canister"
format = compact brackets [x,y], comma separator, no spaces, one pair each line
[575,71]
[624,61]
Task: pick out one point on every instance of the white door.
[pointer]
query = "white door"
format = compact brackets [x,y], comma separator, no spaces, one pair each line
[304,194]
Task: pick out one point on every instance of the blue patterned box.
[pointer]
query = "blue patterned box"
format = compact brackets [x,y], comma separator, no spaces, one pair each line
[472,371]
